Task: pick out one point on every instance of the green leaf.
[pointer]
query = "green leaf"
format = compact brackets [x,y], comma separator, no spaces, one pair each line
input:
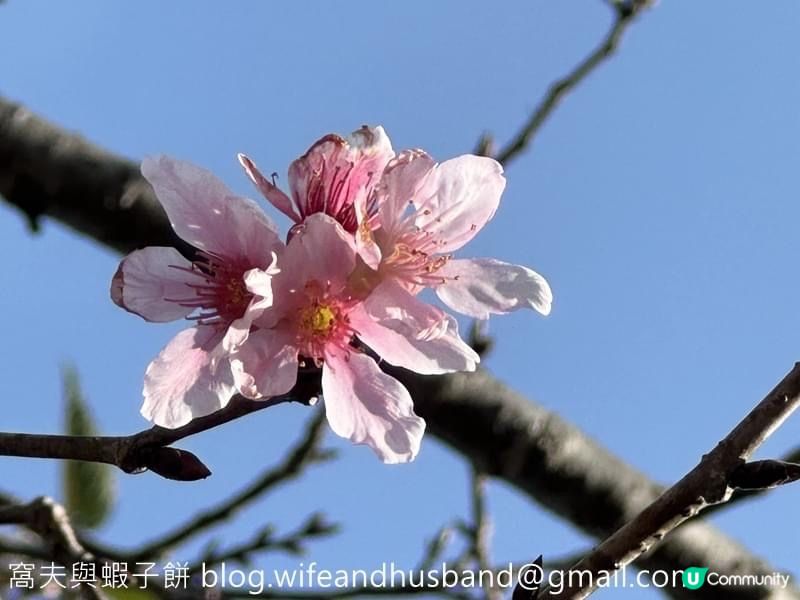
[88,487]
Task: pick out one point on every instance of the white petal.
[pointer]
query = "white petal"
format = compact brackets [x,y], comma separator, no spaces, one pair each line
[458,198]
[149,282]
[483,286]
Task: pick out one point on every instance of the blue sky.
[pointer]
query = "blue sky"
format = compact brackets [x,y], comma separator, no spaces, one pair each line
[660,202]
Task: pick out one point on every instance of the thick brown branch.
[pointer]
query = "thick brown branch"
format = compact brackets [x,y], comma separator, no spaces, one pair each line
[44,171]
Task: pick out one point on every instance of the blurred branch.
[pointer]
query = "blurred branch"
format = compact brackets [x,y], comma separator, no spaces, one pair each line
[624,14]
[481,528]
[435,548]
[14,547]
[710,482]
[305,453]
[46,171]
[49,520]
[293,543]
[479,339]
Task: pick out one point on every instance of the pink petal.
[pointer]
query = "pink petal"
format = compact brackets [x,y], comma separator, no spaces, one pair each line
[271,192]
[408,333]
[206,214]
[400,183]
[335,172]
[266,365]
[148,279]
[459,196]
[484,286]
[369,407]
[367,247]
[320,250]
[181,384]
[259,283]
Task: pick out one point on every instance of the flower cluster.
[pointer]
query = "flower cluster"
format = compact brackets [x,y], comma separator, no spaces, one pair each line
[372,229]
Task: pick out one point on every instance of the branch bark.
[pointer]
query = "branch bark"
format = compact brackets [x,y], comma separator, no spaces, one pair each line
[147,449]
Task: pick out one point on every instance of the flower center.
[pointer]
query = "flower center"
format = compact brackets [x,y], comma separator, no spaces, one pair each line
[322,323]
[220,295]
[317,320]
[234,296]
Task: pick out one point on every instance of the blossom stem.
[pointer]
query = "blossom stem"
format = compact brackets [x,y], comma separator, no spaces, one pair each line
[137,452]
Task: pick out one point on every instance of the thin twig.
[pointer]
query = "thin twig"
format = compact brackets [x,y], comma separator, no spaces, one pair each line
[264,541]
[435,548]
[482,530]
[707,484]
[138,452]
[306,452]
[624,13]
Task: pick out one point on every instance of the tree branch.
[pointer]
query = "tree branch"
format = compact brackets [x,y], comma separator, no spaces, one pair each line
[138,452]
[45,171]
[710,482]
[49,520]
[265,541]
[625,12]
[511,437]
[305,452]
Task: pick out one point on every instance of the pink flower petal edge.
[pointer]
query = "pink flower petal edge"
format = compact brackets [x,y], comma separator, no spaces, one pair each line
[206,214]
[411,334]
[222,291]
[148,281]
[367,406]
[182,382]
[331,177]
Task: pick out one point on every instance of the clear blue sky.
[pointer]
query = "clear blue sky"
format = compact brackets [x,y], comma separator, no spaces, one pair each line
[661,202]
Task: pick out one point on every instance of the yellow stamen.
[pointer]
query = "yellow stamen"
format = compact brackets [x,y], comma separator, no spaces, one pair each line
[317,319]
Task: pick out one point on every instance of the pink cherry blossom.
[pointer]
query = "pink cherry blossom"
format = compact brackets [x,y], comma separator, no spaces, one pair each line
[426,211]
[225,287]
[316,318]
[334,174]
